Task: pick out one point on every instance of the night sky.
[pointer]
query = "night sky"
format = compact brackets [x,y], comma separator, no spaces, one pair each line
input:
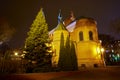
[19,15]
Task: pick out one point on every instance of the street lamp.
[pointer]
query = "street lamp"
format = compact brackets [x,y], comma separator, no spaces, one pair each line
[103,55]
[16,53]
[102,50]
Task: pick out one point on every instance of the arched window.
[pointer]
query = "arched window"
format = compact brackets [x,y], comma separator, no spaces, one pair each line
[81,36]
[90,35]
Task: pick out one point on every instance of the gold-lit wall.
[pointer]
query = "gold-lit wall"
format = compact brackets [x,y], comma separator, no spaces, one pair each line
[88,50]
[56,44]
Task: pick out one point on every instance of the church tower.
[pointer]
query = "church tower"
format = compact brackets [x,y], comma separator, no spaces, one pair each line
[59,30]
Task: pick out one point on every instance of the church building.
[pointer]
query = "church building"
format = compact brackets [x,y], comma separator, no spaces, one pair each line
[83,32]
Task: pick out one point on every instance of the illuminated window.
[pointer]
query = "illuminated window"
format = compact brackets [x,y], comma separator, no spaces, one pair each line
[90,35]
[81,36]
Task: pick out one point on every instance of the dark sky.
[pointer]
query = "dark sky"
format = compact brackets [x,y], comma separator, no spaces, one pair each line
[20,14]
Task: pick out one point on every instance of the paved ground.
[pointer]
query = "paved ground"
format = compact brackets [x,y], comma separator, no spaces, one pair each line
[109,73]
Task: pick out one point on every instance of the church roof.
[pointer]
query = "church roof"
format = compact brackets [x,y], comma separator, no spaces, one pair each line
[84,17]
[60,26]
[91,20]
[71,25]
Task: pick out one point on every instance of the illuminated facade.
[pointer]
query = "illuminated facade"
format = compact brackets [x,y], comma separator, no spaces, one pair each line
[83,32]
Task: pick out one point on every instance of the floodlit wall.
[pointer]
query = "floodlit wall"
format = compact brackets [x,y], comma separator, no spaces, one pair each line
[87,45]
[56,44]
[88,48]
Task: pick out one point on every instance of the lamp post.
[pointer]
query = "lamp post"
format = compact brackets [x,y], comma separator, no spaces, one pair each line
[103,55]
